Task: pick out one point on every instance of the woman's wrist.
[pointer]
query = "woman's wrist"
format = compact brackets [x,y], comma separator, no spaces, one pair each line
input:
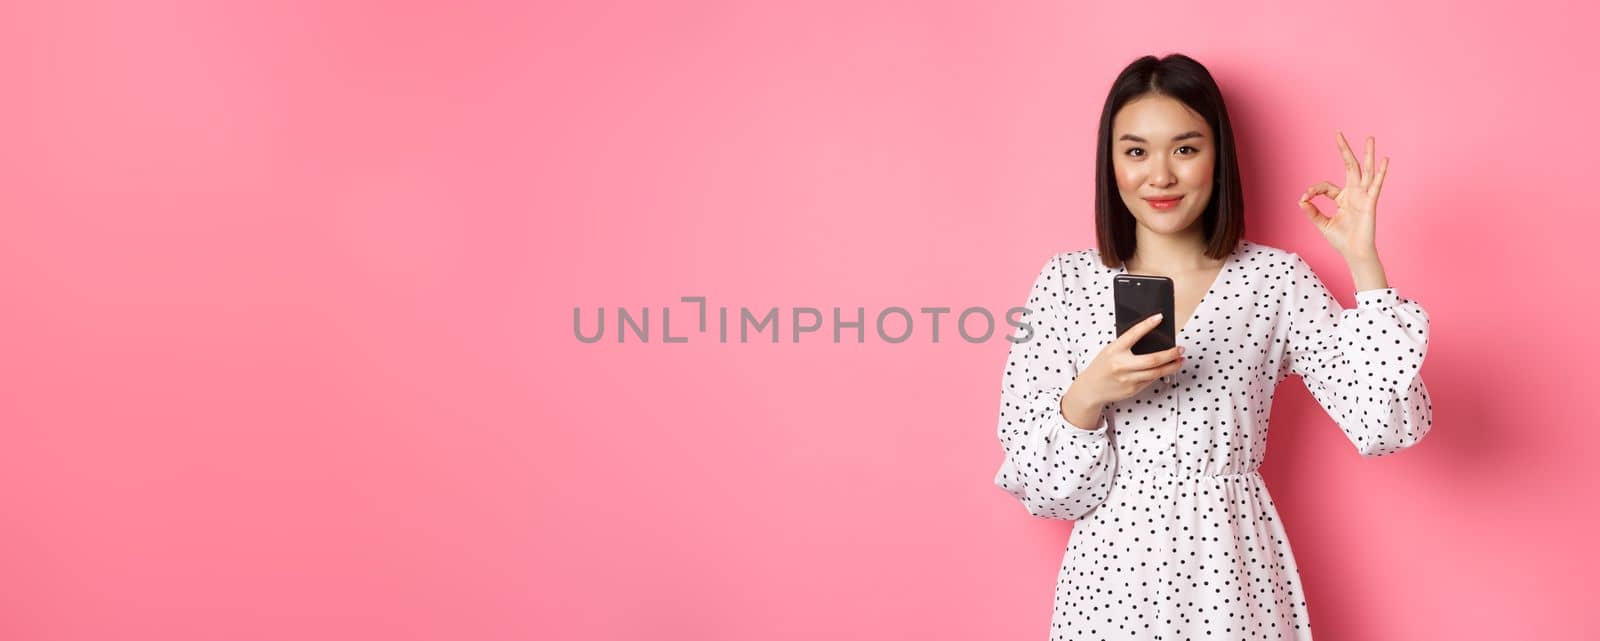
[1367,271]
[1080,412]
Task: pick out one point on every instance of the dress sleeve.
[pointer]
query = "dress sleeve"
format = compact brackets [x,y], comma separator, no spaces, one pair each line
[1056,469]
[1363,365]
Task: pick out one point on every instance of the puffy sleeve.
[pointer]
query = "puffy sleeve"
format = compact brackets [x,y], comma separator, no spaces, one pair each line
[1056,469]
[1363,365]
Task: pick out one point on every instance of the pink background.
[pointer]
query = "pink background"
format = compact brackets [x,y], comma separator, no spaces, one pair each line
[289,288]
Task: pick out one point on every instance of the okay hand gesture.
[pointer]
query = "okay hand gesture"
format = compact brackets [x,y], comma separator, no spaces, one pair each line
[1352,227]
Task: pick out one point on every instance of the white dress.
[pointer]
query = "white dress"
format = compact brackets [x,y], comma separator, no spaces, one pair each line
[1176,534]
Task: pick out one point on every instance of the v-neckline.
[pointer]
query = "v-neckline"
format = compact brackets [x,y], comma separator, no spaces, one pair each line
[1227,263]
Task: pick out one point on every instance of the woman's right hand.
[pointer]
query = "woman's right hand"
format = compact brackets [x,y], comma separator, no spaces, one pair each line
[1117,373]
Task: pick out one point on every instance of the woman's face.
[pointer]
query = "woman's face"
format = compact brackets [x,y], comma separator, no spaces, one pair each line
[1160,148]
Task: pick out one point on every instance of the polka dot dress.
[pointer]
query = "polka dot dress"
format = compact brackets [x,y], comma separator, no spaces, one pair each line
[1176,534]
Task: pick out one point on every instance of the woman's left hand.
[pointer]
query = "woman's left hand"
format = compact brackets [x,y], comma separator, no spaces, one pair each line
[1352,227]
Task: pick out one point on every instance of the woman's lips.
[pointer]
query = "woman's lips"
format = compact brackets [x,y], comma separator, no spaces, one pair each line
[1168,203]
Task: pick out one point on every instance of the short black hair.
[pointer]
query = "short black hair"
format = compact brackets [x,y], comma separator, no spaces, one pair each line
[1187,81]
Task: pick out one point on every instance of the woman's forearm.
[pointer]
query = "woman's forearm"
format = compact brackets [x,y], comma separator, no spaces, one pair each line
[1367,272]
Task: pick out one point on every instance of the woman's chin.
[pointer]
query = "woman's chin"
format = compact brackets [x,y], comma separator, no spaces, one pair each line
[1166,224]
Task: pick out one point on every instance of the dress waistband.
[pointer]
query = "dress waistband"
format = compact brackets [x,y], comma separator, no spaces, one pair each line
[1203,475]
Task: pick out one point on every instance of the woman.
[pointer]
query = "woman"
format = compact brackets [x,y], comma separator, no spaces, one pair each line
[1157,455]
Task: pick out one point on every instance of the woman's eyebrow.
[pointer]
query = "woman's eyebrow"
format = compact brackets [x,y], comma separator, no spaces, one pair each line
[1183,136]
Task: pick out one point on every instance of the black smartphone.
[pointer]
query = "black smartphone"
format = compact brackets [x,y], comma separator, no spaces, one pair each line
[1137,298]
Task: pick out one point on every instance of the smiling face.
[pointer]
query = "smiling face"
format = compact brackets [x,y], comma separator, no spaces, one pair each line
[1161,148]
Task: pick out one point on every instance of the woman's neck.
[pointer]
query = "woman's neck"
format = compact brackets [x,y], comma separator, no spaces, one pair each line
[1169,253]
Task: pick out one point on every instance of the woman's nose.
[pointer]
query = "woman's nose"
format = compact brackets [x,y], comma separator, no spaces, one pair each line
[1160,177]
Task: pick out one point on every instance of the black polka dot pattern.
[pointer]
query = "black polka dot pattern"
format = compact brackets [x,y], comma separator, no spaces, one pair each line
[1177,536]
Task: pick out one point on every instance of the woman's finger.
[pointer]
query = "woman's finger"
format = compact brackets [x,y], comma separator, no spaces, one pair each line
[1327,188]
[1368,172]
[1377,183]
[1172,368]
[1146,375]
[1139,329]
[1352,169]
[1314,214]
[1155,359]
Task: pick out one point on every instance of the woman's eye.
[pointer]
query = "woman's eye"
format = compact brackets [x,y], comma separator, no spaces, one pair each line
[1131,150]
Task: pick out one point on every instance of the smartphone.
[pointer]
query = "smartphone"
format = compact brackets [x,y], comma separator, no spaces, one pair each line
[1137,298]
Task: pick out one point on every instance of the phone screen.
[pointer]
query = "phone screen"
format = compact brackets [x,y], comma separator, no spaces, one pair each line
[1137,297]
